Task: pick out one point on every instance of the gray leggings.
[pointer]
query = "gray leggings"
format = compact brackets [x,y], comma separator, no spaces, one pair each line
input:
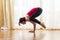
[36,14]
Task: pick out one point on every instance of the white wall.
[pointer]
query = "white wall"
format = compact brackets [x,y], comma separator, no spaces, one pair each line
[48,12]
[57,13]
[51,11]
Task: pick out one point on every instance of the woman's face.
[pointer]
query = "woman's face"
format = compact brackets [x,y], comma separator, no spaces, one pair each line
[24,22]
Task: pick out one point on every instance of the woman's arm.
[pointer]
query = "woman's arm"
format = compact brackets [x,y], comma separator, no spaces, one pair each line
[27,18]
[34,24]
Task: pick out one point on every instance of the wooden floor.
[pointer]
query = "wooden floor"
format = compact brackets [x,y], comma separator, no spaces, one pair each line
[26,35]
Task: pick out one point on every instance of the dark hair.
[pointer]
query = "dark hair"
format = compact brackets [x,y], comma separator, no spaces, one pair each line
[21,20]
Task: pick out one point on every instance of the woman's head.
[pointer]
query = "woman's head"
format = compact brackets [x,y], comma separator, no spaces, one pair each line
[22,20]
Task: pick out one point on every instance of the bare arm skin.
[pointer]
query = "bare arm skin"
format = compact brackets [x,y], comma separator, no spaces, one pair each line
[27,18]
[34,24]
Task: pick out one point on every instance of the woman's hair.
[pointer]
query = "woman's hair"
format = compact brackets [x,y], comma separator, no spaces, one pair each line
[21,20]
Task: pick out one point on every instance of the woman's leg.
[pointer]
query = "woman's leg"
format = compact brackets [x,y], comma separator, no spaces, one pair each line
[36,14]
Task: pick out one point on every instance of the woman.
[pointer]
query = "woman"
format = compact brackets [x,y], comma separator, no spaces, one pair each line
[30,17]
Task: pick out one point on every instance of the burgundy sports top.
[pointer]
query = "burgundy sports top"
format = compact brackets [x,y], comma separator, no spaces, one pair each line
[32,11]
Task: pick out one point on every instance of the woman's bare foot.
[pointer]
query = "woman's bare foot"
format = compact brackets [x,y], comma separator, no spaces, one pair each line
[41,28]
[43,25]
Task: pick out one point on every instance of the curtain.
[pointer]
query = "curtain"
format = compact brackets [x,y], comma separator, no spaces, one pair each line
[21,7]
[1,14]
[9,12]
